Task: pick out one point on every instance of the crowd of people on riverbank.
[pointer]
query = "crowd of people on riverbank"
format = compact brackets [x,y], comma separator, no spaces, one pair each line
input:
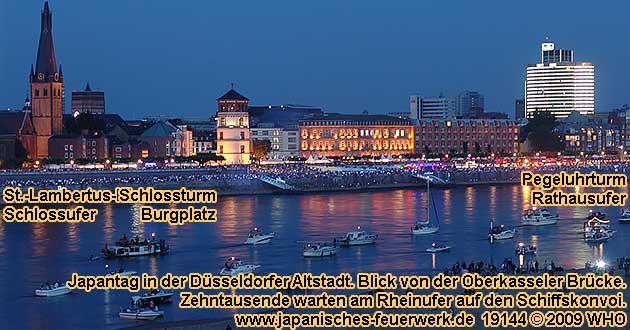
[301,176]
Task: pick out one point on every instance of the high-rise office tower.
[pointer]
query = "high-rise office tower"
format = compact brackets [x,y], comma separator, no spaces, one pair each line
[558,84]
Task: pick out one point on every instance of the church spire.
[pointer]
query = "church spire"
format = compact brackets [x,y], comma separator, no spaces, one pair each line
[46,64]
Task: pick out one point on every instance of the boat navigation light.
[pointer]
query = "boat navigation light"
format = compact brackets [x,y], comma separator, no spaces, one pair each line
[433,244]
[601,264]
[358,227]
[152,234]
[106,266]
[521,244]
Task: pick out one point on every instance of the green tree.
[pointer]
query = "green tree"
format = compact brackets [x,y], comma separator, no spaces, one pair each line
[261,148]
[540,132]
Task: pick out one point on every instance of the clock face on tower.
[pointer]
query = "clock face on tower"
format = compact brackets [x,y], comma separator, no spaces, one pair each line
[56,76]
[40,76]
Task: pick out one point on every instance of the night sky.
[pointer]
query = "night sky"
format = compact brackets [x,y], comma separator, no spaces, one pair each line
[174,58]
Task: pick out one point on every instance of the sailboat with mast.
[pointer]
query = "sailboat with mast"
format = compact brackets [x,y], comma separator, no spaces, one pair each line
[425,227]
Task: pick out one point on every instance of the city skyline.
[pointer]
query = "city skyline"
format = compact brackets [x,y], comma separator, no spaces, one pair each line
[342,78]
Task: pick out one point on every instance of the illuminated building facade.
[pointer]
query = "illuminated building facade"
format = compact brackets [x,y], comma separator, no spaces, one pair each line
[233,136]
[464,136]
[559,85]
[88,101]
[340,135]
[588,134]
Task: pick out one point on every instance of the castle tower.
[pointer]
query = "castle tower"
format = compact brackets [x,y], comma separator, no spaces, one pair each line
[233,136]
[46,89]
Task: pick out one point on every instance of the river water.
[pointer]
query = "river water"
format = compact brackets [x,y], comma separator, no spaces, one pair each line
[34,253]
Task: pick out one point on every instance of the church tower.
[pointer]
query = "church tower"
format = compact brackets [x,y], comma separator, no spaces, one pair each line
[46,89]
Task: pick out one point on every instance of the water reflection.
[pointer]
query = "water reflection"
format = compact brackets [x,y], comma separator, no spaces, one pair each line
[41,252]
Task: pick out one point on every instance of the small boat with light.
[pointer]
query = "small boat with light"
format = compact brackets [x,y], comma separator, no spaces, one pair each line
[235,266]
[121,272]
[135,248]
[595,227]
[523,249]
[539,217]
[357,237]
[140,313]
[599,237]
[625,216]
[500,232]
[155,295]
[319,250]
[438,248]
[256,237]
[52,290]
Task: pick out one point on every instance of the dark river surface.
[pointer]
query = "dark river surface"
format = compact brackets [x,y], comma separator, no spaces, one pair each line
[33,253]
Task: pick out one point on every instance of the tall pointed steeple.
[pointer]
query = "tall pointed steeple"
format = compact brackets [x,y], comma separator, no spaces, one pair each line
[46,65]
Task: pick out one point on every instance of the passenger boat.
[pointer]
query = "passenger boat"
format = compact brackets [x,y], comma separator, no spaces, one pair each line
[135,248]
[154,295]
[235,266]
[523,249]
[500,232]
[357,237]
[256,237]
[140,313]
[625,216]
[52,290]
[438,248]
[315,250]
[424,227]
[539,217]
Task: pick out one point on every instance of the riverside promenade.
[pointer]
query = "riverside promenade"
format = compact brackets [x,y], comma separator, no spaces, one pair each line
[294,178]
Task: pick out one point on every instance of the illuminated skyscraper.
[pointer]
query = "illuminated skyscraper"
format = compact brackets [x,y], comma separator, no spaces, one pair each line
[559,85]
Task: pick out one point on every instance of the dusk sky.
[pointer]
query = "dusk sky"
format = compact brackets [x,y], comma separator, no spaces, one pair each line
[174,58]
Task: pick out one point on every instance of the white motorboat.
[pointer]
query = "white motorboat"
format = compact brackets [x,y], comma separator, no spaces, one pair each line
[154,295]
[256,237]
[500,232]
[625,216]
[539,217]
[523,249]
[121,272]
[52,290]
[235,266]
[135,247]
[140,313]
[425,227]
[357,237]
[438,248]
[318,250]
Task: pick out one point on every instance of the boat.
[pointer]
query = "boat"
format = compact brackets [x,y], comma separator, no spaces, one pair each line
[438,248]
[600,237]
[256,237]
[523,249]
[539,217]
[154,295]
[357,237]
[424,227]
[595,225]
[121,272]
[140,313]
[52,290]
[500,232]
[135,248]
[625,216]
[314,250]
[235,266]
